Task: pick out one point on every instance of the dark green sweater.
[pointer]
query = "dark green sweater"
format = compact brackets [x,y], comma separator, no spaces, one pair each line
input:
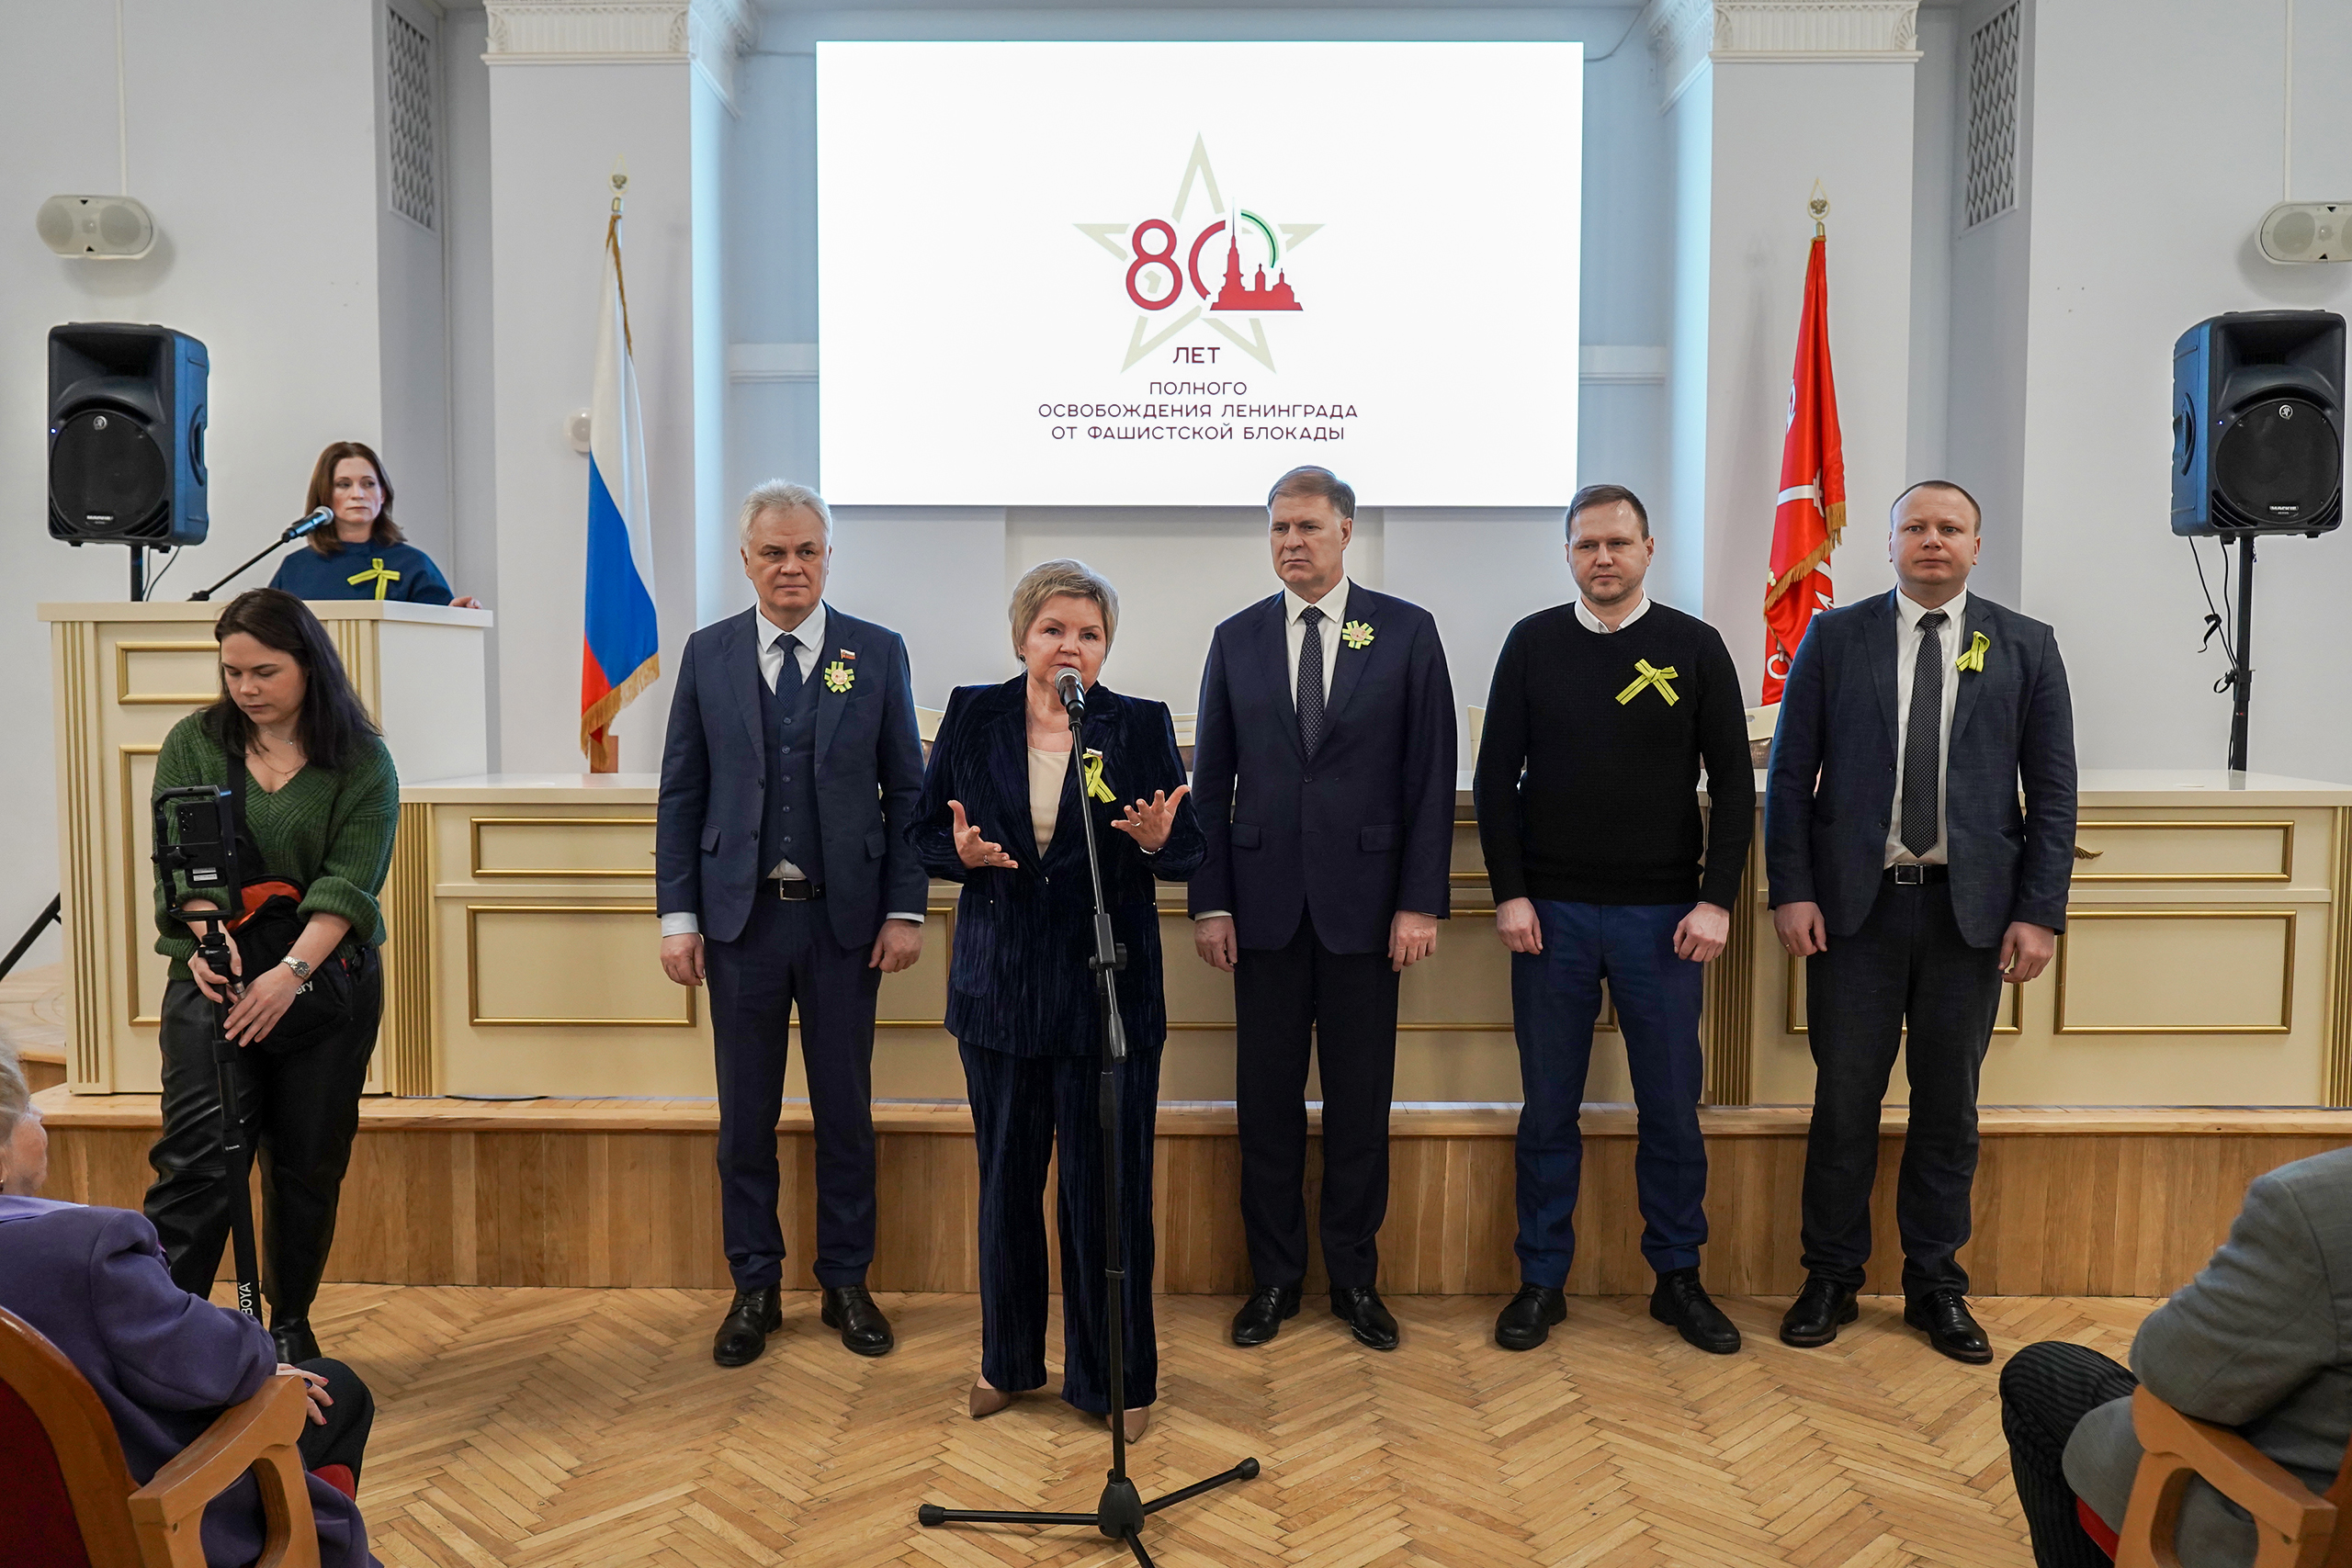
[329,829]
[1592,800]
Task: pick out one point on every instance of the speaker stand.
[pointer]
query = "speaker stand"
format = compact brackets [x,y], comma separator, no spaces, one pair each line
[2242,678]
[138,573]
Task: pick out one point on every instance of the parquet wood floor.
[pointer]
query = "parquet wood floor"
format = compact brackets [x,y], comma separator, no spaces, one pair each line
[589,1427]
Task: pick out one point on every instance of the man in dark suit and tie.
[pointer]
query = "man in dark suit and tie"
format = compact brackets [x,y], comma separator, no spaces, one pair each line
[784,876]
[1324,775]
[1904,874]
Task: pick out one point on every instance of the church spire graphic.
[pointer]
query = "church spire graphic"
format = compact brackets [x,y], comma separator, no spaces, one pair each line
[1233,296]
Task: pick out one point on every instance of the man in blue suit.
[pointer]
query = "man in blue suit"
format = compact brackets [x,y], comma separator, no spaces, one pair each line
[784,878]
[1324,775]
[1904,874]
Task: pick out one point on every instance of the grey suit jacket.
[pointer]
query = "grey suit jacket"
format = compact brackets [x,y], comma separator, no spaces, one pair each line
[1831,787]
[2261,1340]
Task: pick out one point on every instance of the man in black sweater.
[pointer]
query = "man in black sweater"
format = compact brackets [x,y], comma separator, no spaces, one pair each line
[1588,795]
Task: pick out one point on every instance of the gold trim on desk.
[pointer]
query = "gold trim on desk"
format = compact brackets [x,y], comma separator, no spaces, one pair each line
[2285,1025]
[473,971]
[1791,1024]
[479,823]
[2335,1064]
[133,906]
[125,697]
[2285,829]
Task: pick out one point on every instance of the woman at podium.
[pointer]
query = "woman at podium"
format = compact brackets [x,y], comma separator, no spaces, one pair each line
[364,555]
[999,814]
[318,802]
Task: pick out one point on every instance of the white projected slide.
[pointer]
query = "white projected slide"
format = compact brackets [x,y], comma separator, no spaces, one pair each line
[1160,274]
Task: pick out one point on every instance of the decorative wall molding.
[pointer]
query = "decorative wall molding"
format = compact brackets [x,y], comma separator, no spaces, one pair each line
[710,33]
[1685,34]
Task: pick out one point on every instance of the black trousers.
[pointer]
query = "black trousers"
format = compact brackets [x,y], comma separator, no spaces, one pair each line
[2046,1390]
[300,1111]
[1909,963]
[1023,1109]
[344,1439]
[787,954]
[1288,1002]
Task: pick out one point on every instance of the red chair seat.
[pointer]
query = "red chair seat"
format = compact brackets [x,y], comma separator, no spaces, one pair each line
[43,1532]
[2096,1527]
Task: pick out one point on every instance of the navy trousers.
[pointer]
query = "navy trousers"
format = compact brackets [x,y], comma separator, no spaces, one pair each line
[1555,996]
[1022,1107]
[1907,964]
[787,956]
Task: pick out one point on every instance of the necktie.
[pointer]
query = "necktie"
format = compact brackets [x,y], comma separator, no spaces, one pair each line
[789,646]
[1310,681]
[1923,738]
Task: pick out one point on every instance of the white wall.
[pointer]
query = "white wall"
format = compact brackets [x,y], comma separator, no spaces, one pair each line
[247,117]
[2156,153]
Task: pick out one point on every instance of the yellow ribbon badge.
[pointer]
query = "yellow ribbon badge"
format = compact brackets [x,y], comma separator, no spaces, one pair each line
[839,676]
[1095,788]
[1652,676]
[1357,635]
[382,579]
[1974,657]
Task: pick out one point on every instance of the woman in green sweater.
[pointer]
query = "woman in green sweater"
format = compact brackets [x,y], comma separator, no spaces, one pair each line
[321,802]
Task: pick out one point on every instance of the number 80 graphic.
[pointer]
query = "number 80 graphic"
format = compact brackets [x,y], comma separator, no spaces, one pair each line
[1163,255]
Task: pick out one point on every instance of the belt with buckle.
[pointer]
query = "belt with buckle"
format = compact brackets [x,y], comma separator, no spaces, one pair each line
[1918,876]
[798,889]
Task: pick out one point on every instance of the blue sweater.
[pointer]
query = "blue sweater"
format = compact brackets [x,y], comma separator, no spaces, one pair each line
[307,574]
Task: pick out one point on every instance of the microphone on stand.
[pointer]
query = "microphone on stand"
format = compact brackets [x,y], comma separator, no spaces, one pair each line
[1073,694]
[303,529]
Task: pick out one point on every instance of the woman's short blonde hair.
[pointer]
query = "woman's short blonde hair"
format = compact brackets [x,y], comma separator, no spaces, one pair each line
[1055,580]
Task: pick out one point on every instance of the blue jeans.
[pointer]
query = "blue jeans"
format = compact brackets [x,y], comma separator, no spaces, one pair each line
[1555,996]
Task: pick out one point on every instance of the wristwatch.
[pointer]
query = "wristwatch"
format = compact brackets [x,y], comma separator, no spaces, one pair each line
[301,966]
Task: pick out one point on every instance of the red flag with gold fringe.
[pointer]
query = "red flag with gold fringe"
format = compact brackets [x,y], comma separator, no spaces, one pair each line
[1811,512]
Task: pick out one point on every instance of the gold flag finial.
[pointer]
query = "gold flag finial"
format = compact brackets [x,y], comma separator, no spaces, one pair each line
[620,182]
[1819,207]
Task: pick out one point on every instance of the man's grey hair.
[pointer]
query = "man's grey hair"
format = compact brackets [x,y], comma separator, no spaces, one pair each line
[781,495]
[16,1098]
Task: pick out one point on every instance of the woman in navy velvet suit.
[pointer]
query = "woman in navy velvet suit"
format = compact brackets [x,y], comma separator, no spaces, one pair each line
[998,815]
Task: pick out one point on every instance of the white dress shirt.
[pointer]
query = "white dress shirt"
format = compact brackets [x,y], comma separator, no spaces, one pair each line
[1334,606]
[811,633]
[1907,612]
[1593,623]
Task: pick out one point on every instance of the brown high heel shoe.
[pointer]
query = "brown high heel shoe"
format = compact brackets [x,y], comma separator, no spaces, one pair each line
[986,1401]
[1138,1422]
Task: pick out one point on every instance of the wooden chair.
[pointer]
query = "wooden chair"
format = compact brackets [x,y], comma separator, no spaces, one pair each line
[71,1502]
[2295,1528]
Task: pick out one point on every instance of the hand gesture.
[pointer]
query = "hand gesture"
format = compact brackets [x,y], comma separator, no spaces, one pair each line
[218,988]
[971,849]
[1148,822]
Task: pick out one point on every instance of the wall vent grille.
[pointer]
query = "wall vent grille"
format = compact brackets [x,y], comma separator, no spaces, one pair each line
[409,83]
[1993,117]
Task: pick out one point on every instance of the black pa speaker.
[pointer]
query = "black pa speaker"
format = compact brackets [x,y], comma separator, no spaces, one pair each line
[2257,428]
[126,434]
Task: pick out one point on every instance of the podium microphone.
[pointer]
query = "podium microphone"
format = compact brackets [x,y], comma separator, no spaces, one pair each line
[1073,695]
[317,520]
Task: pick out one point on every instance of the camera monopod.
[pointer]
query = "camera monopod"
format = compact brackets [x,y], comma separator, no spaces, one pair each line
[195,861]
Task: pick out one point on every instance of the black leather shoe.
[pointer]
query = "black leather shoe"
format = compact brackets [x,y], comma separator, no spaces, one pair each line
[295,1342]
[1262,1316]
[1527,1321]
[864,1328]
[744,1333]
[1680,1300]
[1358,1307]
[1944,1315]
[1820,1309]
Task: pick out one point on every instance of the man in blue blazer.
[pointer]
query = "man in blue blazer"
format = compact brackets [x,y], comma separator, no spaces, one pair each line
[1906,875]
[784,876]
[1324,775]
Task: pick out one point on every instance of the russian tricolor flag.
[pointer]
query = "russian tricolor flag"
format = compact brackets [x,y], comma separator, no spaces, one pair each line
[621,647]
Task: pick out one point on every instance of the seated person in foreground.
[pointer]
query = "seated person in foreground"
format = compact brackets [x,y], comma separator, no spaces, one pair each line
[2261,1341]
[164,1362]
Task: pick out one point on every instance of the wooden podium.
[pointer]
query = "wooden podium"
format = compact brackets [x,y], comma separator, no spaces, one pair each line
[123,676]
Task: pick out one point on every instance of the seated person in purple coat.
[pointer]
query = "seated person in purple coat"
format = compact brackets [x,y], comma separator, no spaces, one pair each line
[164,1363]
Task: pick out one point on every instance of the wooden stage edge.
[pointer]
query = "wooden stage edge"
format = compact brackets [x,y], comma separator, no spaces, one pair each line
[2079,1201]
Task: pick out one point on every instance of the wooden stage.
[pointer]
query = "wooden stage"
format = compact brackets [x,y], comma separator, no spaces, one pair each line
[2070,1201]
